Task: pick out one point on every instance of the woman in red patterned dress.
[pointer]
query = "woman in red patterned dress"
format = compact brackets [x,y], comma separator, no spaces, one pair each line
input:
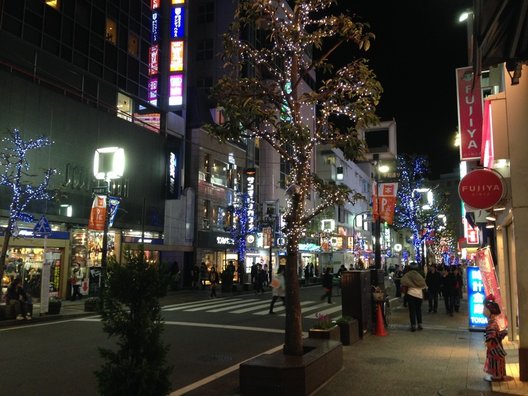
[495,366]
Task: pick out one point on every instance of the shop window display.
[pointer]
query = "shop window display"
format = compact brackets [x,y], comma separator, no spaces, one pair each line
[26,263]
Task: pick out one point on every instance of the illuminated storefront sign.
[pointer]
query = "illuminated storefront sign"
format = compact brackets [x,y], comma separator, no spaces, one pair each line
[153,59]
[153,91]
[176,90]
[176,58]
[173,166]
[155,4]
[177,22]
[251,198]
[178,1]
[469,113]
[155,27]
[476,297]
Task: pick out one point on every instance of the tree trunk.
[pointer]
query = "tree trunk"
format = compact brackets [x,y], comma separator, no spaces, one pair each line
[293,336]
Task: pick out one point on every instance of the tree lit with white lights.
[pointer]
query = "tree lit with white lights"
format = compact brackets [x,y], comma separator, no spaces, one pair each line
[16,177]
[416,210]
[265,95]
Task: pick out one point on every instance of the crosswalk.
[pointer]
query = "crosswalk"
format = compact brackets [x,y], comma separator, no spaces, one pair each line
[254,306]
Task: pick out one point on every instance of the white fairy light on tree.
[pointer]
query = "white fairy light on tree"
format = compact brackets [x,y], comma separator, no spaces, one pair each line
[16,177]
[270,104]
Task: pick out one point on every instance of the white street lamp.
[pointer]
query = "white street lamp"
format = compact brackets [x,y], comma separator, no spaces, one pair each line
[108,164]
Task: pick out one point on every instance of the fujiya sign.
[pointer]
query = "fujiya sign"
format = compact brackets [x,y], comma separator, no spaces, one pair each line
[469,113]
[481,189]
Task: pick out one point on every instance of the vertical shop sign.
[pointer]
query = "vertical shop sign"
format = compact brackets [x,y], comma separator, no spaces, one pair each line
[489,280]
[177,22]
[476,297]
[251,173]
[469,99]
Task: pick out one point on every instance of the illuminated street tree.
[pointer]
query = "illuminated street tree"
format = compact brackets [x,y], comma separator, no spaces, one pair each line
[264,95]
[16,176]
[414,210]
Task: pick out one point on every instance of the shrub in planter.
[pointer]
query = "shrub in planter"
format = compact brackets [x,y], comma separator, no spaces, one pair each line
[91,304]
[54,306]
[348,329]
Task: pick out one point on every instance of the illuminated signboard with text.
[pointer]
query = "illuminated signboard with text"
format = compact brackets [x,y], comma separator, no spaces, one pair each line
[153,59]
[153,91]
[155,27]
[178,1]
[476,297]
[177,27]
[176,90]
[176,58]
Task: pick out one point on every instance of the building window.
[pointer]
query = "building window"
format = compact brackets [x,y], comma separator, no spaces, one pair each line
[203,213]
[219,173]
[206,12]
[124,107]
[53,3]
[111,31]
[204,50]
[204,174]
[133,44]
[285,170]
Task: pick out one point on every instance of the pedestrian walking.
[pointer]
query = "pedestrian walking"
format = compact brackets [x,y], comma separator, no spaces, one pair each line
[214,279]
[278,288]
[415,284]
[328,283]
[459,287]
[260,279]
[448,291]
[203,274]
[495,365]
[433,279]
[398,274]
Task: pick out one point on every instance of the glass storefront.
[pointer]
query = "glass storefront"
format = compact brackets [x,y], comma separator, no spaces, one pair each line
[27,263]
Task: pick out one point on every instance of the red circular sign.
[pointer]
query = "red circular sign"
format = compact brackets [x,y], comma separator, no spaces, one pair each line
[481,188]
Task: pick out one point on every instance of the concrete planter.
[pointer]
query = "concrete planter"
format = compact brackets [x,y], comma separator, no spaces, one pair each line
[279,374]
[54,307]
[349,331]
[332,333]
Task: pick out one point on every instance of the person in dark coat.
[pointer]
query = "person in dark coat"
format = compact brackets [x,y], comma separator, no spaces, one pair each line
[328,282]
[214,279]
[459,287]
[398,274]
[433,279]
[260,278]
[448,290]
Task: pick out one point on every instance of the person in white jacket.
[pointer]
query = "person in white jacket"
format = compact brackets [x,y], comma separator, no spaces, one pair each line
[278,288]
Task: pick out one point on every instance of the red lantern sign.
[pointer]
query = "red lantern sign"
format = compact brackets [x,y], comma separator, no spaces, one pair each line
[481,188]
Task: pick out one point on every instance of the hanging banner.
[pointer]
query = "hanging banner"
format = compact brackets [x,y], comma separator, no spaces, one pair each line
[489,280]
[98,214]
[469,99]
[114,205]
[385,203]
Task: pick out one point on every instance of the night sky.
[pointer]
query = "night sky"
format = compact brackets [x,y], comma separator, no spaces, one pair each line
[418,46]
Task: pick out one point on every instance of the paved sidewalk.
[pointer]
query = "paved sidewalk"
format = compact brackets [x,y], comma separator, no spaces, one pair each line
[443,359]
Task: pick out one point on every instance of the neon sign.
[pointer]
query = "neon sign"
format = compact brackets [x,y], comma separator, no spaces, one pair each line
[153,91]
[176,90]
[155,27]
[176,56]
[153,59]
[177,22]
[476,297]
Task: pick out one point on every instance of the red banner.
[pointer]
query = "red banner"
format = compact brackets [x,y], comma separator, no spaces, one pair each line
[98,214]
[385,203]
[469,97]
[489,280]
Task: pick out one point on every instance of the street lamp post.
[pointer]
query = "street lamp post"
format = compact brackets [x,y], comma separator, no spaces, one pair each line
[377,224]
[109,164]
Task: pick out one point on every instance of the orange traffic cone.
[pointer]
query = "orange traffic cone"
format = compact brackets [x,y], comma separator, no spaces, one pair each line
[380,324]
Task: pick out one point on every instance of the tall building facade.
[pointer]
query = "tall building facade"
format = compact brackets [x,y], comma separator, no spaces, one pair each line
[78,72]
